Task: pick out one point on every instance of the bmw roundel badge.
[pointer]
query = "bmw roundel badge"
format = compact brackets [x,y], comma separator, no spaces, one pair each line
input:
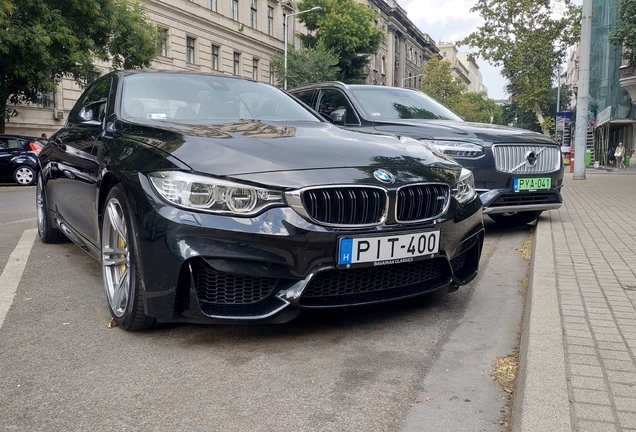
[383,176]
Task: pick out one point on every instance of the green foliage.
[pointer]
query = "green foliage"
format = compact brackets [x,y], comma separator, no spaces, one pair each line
[438,81]
[625,31]
[44,41]
[306,66]
[515,116]
[529,38]
[6,6]
[348,28]
[475,107]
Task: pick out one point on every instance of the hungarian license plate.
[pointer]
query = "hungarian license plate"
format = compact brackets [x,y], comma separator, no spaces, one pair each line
[386,250]
[524,184]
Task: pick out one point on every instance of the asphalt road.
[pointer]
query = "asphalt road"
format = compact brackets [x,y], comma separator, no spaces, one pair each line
[420,365]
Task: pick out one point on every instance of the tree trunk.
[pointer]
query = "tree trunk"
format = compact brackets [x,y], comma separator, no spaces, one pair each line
[3,114]
[541,119]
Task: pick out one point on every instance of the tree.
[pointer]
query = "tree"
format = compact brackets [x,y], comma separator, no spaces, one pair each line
[476,107]
[307,65]
[529,38]
[439,83]
[44,41]
[625,32]
[346,27]
[515,116]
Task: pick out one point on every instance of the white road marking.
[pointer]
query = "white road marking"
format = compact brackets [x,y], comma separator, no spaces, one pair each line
[18,221]
[12,273]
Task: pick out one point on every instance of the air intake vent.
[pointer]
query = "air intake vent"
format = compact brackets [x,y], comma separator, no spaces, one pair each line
[217,288]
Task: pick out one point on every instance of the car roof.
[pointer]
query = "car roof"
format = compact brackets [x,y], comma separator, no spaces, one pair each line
[18,136]
[321,84]
[131,72]
[345,86]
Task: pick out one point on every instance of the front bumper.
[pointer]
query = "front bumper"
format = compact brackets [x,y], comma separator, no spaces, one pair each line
[199,267]
[496,188]
[508,201]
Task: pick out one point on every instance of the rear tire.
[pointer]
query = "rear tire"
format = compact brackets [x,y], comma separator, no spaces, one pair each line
[24,175]
[120,270]
[47,232]
[515,219]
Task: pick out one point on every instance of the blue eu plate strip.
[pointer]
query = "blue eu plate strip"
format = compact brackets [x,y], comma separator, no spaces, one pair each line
[346,251]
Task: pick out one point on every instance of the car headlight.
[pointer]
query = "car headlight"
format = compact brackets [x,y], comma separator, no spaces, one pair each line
[457,148]
[464,190]
[196,192]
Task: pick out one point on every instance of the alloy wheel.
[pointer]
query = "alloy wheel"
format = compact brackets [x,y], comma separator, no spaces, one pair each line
[116,258]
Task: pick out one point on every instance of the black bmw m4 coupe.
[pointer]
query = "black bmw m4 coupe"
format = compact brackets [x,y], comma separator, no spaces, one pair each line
[215,199]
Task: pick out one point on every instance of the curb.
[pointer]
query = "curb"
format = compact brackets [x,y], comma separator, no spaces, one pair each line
[541,398]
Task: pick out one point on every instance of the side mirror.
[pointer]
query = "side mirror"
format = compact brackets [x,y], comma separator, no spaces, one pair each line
[338,116]
[90,114]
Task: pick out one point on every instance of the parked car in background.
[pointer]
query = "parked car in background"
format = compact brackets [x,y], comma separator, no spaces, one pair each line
[209,198]
[518,173]
[18,158]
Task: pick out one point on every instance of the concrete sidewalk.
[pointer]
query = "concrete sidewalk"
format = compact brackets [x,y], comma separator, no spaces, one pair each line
[577,367]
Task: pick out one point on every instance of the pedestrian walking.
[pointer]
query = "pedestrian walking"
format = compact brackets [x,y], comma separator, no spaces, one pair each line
[619,154]
[610,153]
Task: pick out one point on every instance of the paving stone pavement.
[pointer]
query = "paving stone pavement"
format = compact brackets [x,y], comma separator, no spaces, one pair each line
[593,242]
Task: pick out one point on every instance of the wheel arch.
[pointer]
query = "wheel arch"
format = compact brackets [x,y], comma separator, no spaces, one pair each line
[109,180]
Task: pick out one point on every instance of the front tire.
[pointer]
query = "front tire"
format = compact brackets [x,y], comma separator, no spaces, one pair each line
[515,219]
[120,270]
[48,233]
[24,175]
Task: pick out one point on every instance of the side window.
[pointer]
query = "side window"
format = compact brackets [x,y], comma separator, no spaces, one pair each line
[306,96]
[9,144]
[332,99]
[97,92]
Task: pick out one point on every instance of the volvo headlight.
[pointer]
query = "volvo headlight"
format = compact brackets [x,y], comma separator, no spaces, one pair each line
[457,148]
[464,190]
[196,192]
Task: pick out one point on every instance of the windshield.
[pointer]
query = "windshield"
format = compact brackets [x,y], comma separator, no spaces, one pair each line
[203,99]
[390,103]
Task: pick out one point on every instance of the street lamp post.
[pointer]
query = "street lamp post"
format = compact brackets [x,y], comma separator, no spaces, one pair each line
[313,9]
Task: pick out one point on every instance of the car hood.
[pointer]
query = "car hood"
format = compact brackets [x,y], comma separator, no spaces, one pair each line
[481,133]
[253,149]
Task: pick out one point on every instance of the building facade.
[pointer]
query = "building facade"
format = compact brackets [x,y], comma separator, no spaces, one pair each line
[405,50]
[464,67]
[476,84]
[238,37]
[448,52]
[610,104]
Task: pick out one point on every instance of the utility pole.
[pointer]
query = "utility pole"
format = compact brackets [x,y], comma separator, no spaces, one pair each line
[580,137]
[558,107]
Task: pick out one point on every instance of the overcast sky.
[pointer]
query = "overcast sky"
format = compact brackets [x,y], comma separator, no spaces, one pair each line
[450,21]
